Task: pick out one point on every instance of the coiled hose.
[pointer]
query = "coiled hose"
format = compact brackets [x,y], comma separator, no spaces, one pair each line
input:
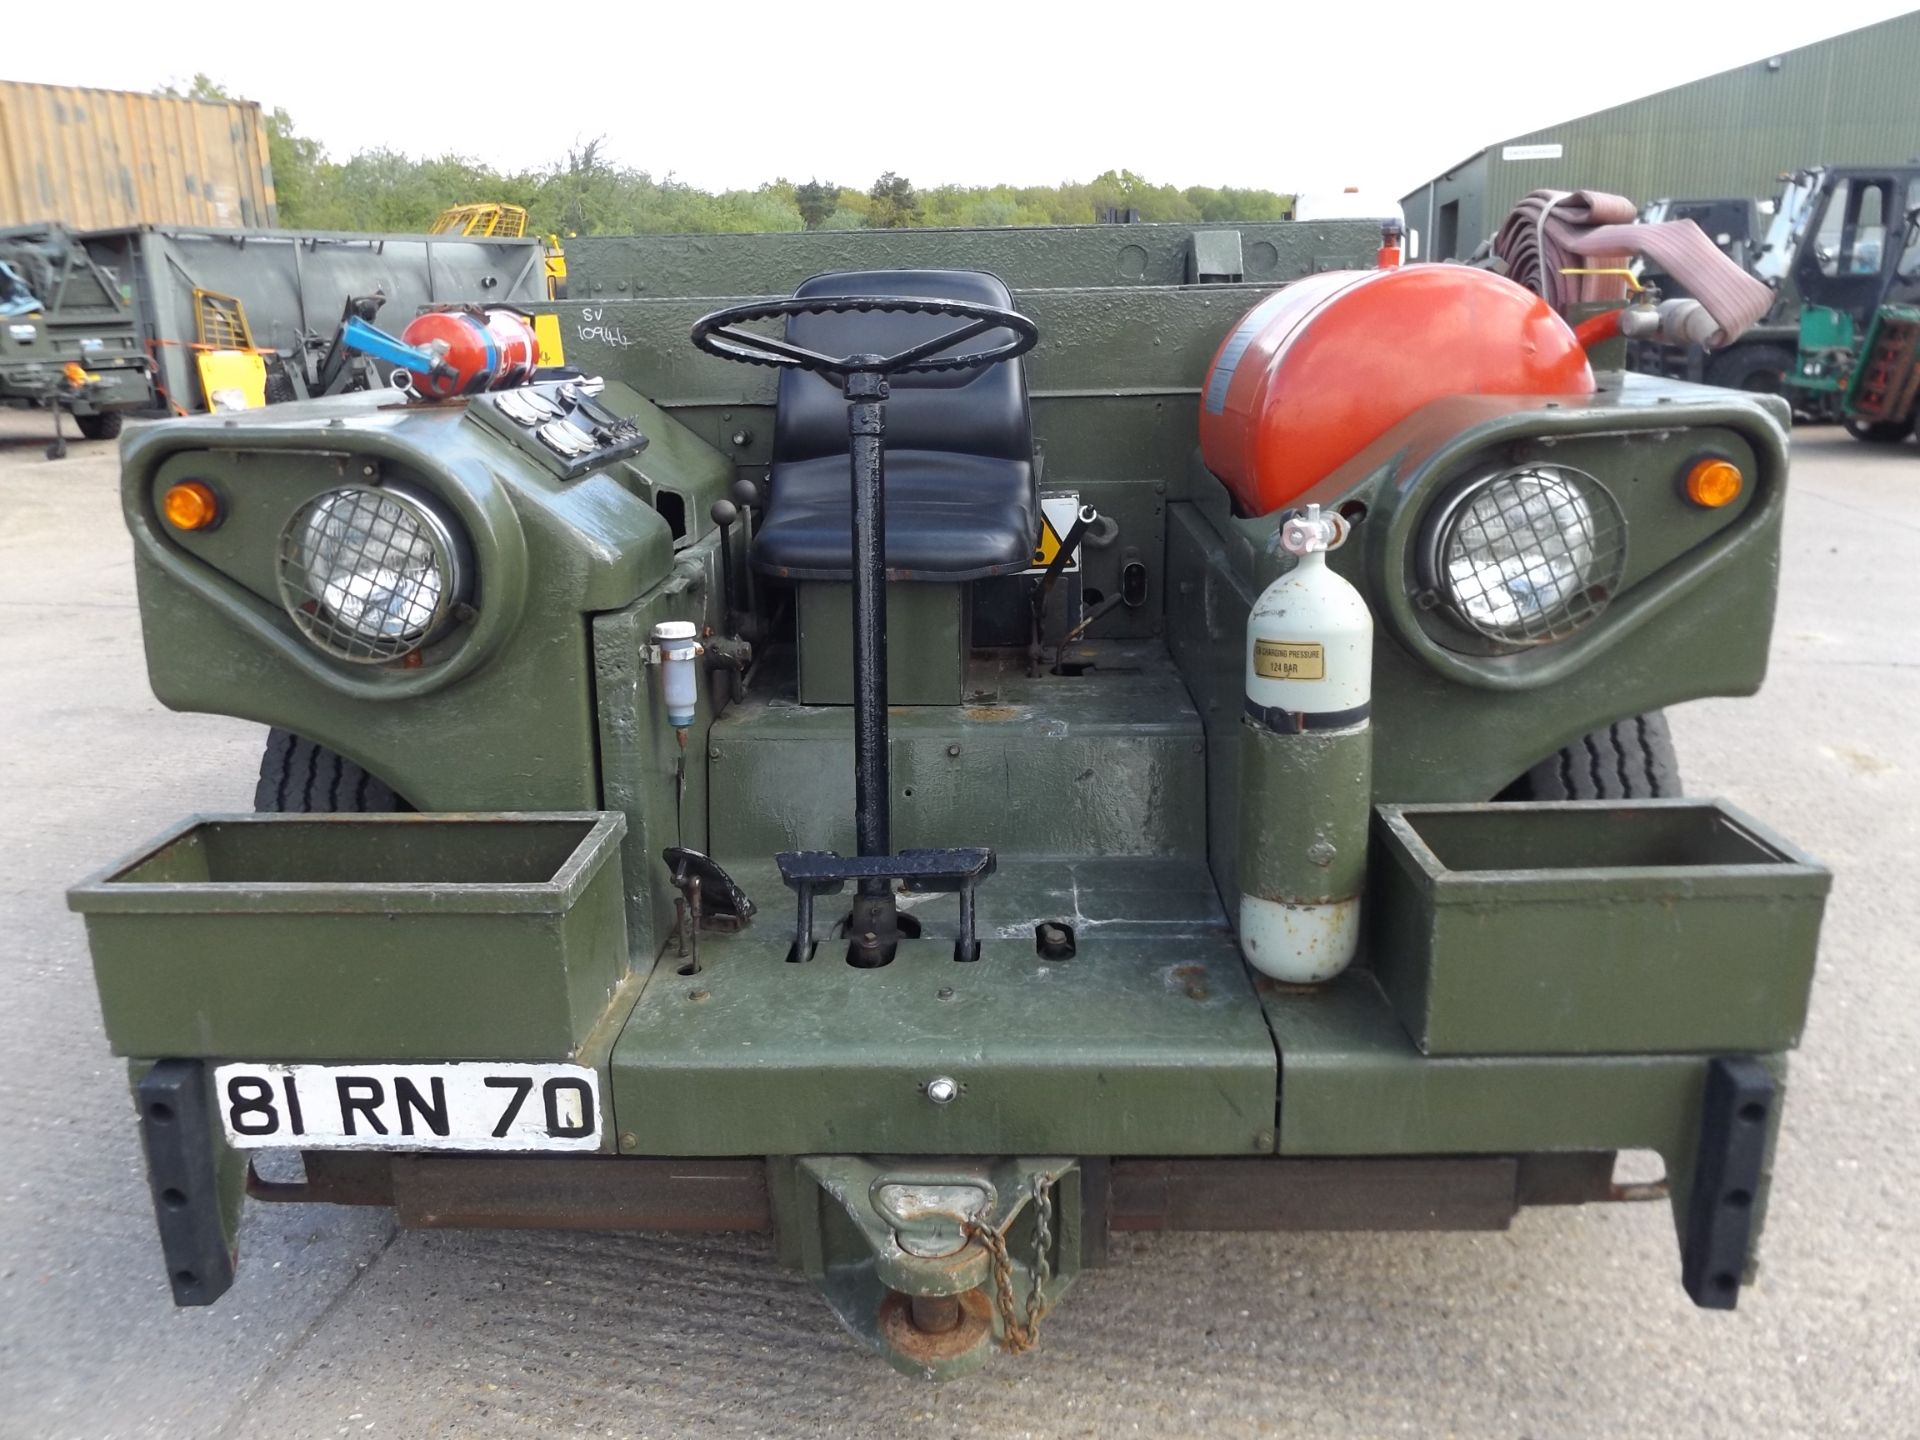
[1554,232]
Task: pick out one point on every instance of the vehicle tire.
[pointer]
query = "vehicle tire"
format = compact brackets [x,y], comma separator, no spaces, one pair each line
[1880,432]
[1757,369]
[1631,759]
[280,381]
[300,777]
[104,425]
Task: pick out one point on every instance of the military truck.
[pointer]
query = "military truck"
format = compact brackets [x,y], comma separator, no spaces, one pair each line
[1825,246]
[74,345]
[123,322]
[1051,746]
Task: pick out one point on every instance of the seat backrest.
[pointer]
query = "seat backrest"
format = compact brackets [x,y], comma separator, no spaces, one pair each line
[969,412]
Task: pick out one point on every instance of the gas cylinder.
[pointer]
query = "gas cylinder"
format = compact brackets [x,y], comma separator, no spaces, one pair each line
[1306,762]
[471,351]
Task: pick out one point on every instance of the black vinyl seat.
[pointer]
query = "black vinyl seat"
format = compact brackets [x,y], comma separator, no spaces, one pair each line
[961,501]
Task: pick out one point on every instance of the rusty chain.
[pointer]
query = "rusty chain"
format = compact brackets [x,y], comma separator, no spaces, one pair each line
[1019,1334]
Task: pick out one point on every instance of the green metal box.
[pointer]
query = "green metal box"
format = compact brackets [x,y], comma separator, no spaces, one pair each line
[927,625]
[360,937]
[1592,927]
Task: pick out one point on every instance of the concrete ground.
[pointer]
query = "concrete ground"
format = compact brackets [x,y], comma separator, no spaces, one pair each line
[1571,1324]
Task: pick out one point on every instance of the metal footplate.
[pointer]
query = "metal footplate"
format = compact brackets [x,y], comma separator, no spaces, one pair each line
[811,873]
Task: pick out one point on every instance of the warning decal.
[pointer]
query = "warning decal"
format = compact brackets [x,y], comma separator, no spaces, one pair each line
[1289,660]
[1057,514]
[1049,545]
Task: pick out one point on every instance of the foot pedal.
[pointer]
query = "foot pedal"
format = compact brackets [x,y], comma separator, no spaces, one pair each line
[812,873]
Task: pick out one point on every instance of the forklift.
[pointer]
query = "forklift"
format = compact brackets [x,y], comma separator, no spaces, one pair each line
[1824,248]
[1866,367]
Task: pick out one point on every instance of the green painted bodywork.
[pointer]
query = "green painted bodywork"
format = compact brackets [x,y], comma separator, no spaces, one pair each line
[347,937]
[602,267]
[1107,763]
[1354,1083]
[1593,928]
[1304,812]
[932,670]
[1110,784]
[1148,1041]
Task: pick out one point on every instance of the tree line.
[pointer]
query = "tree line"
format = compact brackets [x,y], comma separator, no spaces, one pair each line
[586,193]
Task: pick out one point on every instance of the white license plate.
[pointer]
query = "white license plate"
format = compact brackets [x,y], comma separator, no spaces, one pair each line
[476,1105]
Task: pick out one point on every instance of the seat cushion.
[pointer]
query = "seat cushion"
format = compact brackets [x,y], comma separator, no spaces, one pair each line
[960,496]
[949,517]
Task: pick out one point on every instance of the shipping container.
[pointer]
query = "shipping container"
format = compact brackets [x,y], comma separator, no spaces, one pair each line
[99,159]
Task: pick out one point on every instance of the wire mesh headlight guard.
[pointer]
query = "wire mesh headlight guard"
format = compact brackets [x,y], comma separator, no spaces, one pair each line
[1525,555]
[369,574]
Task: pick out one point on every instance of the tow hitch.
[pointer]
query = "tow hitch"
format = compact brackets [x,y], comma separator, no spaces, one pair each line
[932,1262]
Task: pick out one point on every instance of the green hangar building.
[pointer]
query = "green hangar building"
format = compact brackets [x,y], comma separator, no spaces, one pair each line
[1848,100]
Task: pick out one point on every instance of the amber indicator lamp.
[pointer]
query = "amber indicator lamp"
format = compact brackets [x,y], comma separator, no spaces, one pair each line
[1714,482]
[190,505]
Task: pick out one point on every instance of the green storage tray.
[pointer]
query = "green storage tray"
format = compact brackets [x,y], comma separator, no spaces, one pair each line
[360,937]
[1592,927]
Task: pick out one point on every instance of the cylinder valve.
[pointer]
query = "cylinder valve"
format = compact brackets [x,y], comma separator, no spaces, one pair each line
[1306,762]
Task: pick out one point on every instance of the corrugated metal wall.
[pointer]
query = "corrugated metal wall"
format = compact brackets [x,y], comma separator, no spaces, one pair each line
[1853,99]
[95,159]
[1449,211]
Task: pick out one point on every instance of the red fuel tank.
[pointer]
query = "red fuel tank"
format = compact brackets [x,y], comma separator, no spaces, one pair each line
[1318,371]
[494,351]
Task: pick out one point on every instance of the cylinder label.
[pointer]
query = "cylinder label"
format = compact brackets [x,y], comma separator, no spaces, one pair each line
[1289,660]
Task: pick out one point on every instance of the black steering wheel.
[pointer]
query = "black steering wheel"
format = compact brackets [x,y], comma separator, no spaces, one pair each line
[719,334]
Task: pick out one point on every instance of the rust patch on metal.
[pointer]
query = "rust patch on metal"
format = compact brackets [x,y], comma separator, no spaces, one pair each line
[990,714]
[580,1192]
[971,1329]
[1192,980]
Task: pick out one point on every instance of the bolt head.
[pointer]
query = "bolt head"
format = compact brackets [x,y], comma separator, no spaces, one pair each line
[943,1090]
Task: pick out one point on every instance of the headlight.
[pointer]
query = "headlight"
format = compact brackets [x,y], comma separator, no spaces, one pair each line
[367,574]
[1528,555]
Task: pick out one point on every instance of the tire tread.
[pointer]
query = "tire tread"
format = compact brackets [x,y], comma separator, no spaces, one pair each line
[299,777]
[1631,759]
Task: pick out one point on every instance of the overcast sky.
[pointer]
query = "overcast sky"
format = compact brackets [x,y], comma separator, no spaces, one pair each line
[961,91]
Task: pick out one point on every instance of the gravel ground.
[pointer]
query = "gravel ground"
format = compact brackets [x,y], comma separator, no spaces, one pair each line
[1571,1324]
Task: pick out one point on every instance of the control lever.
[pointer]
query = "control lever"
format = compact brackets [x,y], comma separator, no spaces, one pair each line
[747,496]
[725,513]
[732,654]
[1063,557]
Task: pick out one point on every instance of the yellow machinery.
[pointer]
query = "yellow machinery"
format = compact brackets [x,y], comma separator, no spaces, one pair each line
[510,221]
